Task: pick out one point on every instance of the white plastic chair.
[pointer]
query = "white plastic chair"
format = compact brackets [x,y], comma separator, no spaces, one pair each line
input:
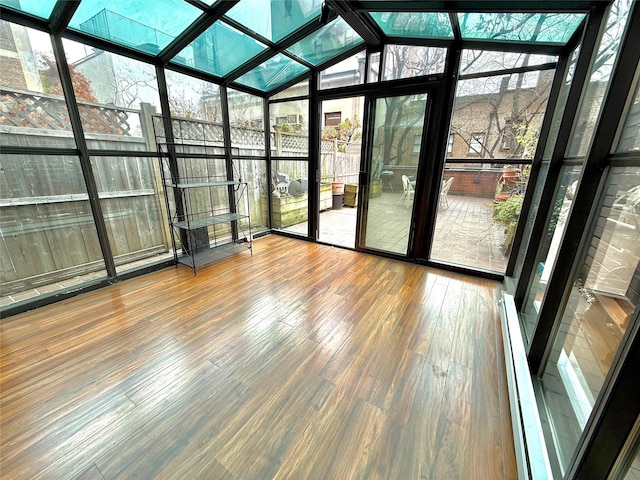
[444,190]
[407,190]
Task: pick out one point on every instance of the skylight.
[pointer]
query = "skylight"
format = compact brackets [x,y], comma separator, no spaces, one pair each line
[274,22]
[272,73]
[553,28]
[328,42]
[130,22]
[219,50]
[39,8]
[414,24]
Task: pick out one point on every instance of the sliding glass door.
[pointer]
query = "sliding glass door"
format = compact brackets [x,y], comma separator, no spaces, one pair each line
[396,123]
[340,165]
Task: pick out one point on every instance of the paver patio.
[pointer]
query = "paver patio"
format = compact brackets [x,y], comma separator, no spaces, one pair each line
[465,234]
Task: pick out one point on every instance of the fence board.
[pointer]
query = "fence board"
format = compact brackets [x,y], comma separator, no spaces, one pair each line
[115,226]
[147,220]
[8,271]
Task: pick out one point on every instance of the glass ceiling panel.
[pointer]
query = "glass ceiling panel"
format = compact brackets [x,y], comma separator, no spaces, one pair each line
[475,61]
[135,23]
[555,28]
[272,73]
[277,21]
[326,43]
[219,50]
[39,8]
[414,24]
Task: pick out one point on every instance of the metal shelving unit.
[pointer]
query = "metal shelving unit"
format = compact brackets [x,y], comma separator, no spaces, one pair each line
[207,206]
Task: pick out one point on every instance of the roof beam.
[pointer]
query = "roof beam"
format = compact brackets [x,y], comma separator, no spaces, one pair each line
[547,6]
[109,46]
[24,19]
[61,15]
[199,26]
[274,49]
[362,24]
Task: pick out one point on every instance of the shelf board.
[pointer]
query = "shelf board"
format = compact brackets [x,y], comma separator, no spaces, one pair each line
[213,253]
[219,183]
[209,221]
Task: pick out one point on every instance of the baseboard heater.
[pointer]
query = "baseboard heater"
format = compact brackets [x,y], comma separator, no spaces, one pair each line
[531,452]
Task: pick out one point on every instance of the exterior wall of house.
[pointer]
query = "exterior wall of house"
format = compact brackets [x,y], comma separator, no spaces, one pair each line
[17,62]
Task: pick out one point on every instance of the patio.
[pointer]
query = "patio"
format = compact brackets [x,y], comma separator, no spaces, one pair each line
[465,234]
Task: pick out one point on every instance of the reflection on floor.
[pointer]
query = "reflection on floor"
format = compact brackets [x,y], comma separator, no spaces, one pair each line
[466,233]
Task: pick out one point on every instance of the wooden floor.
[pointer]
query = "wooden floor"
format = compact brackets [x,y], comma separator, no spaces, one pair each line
[302,361]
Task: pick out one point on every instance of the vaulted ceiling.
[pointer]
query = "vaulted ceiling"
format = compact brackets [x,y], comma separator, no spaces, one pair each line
[262,45]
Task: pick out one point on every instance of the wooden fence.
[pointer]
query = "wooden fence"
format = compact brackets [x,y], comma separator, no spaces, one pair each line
[47,231]
[47,228]
[49,112]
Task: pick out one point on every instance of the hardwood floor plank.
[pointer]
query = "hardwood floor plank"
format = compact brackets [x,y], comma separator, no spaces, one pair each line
[406,445]
[130,426]
[453,425]
[299,361]
[91,473]
[465,327]
[147,453]
[44,447]
[426,315]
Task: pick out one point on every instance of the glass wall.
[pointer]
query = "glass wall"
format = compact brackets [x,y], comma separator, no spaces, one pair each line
[552,138]
[629,140]
[48,235]
[478,61]
[289,179]
[290,124]
[406,61]
[597,315]
[341,146]
[345,73]
[289,196]
[246,117]
[591,105]
[298,90]
[548,250]
[373,75]
[117,101]
[254,172]
[130,192]
[493,137]
[116,98]
[192,98]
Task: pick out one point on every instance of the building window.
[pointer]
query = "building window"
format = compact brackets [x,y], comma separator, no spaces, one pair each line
[475,144]
[292,119]
[508,135]
[332,119]
[417,140]
[450,143]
